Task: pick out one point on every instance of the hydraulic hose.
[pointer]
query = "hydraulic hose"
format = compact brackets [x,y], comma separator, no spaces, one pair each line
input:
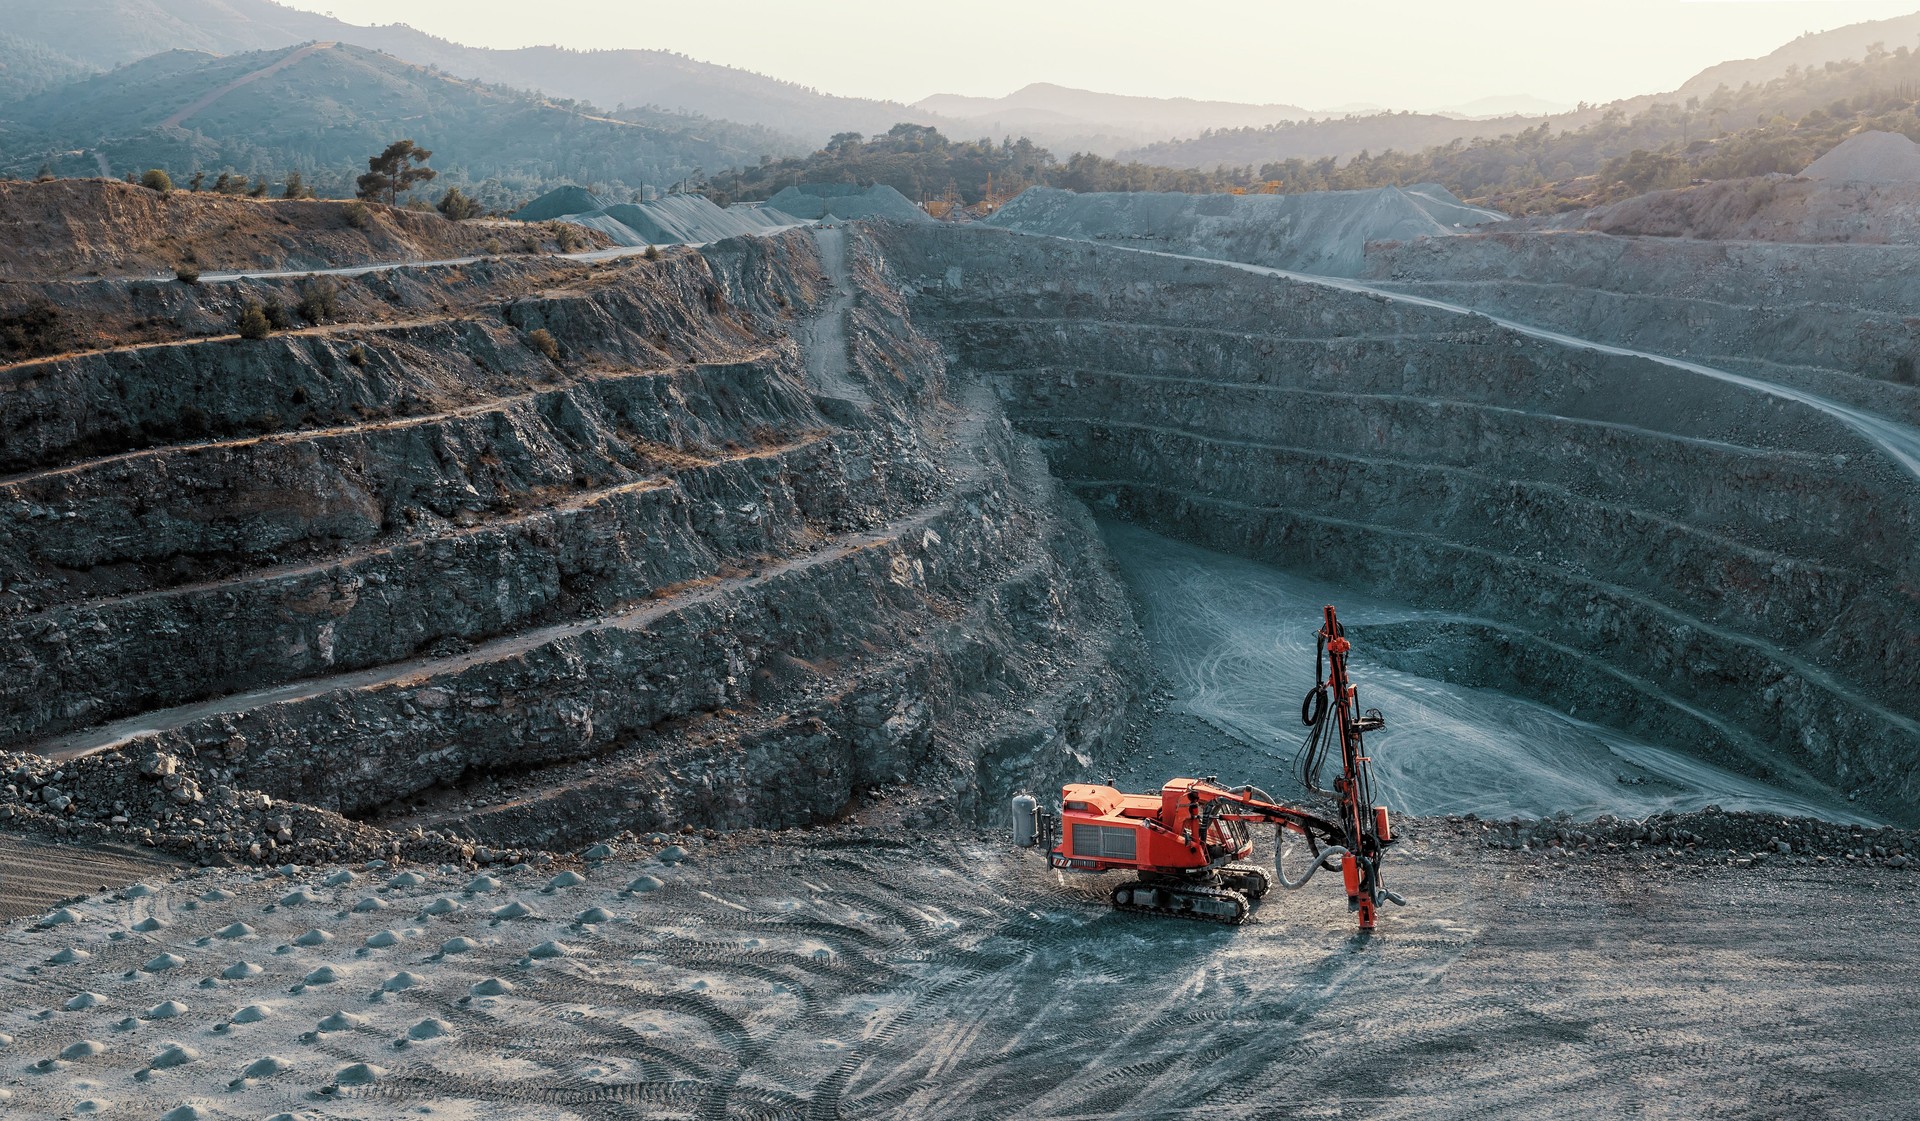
[1319,862]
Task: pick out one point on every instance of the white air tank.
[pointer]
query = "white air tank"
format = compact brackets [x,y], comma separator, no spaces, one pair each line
[1026,820]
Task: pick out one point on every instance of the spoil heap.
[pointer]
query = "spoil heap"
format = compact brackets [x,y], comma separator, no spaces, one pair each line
[671,220]
[1324,233]
[1870,157]
[846,201]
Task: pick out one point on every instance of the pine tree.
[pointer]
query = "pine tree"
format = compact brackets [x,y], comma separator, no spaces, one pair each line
[394,172]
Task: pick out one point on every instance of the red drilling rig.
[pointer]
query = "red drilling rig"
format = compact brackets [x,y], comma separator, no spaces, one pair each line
[1188,843]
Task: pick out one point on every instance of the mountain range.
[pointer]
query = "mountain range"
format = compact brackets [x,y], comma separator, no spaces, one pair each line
[691,113]
[321,108]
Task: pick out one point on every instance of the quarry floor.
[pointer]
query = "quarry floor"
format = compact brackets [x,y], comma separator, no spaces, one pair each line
[891,971]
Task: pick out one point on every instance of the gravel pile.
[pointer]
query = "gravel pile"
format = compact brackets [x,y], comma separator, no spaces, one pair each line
[844,200]
[1710,836]
[1870,157]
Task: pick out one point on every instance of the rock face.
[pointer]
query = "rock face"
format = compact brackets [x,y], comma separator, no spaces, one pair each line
[1698,562]
[614,536]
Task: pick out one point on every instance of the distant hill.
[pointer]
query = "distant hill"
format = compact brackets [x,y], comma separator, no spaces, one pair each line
[1411,132]
[322,109]
[1506,105]
[1341,138]
[27,68]
[107,33]
[1812,50]
[1074,120]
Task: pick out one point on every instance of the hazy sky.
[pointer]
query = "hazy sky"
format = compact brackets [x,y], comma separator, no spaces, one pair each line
[1315,53]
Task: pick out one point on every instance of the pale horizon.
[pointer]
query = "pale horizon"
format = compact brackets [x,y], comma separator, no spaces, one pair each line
[1263,52]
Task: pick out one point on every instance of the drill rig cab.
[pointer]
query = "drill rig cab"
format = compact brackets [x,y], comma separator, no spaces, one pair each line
[1187,845]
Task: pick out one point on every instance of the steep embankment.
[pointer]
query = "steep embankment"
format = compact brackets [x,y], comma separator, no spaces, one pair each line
[95,227]
[601,545]
[1707,565]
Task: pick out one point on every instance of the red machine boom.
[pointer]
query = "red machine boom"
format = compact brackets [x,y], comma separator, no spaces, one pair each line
[1188,843]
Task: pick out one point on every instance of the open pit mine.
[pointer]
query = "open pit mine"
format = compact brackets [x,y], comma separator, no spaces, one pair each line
[596,685]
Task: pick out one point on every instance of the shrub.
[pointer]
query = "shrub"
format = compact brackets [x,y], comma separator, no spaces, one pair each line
[253,322]
[357,355]
[276,313]
[357,214]
[296,187]
[186,273]
[157,180]
[652,253]
[492,247]
[33,331]
[194,421]
[457,206]
[569,237]
[543,341]
[259,190]
[319,299]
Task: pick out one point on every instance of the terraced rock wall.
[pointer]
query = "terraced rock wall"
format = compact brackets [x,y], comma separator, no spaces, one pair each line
[1716,569]
[1835,319]
[490,522]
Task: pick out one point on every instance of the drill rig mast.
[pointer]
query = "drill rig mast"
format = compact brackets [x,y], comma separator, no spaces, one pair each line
[1188,843]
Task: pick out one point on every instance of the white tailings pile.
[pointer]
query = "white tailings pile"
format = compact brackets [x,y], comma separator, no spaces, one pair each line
[1325,232]
[844,200]
[671,220]
[1870,157]
[559,203]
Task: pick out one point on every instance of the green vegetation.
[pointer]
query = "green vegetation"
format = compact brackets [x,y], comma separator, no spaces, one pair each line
[253,322]
[922,164]
[357,215]
[187,274]
[157,180]
[28,68]
[319,299]
[458,207]
[394,172]
[1795,119]
[321,115]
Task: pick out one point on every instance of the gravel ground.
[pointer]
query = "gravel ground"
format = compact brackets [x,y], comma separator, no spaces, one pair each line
[864,972]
